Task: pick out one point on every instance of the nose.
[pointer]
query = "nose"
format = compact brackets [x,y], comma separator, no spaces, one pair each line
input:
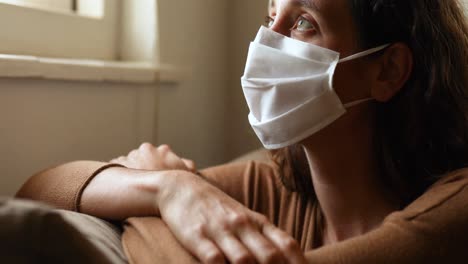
[280,27]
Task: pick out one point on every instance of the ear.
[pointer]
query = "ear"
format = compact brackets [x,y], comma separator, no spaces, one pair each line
[395,67]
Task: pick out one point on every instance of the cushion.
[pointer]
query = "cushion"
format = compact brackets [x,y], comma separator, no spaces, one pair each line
[32,232]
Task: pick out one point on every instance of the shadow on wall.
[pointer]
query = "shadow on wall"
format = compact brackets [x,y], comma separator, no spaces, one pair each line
[248,17]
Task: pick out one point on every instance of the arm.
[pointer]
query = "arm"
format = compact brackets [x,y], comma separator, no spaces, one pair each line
[210,224]
[207,222]
[253,184]
[119,193]
[62,186]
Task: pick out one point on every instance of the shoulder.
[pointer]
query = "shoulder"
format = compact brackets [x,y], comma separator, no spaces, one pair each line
[443,192]
[456,177]
[440,212]
[433,227]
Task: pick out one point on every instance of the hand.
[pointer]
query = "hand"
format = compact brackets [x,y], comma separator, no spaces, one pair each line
[148,157]
[213,226]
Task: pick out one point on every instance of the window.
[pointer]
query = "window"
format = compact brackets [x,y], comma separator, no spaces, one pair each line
[85,29]
[93,8]
[62,5]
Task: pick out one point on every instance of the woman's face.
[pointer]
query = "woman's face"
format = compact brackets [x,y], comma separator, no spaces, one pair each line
[329,24]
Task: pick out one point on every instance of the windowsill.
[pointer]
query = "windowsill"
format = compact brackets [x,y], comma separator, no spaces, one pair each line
[40,8]
[20,66]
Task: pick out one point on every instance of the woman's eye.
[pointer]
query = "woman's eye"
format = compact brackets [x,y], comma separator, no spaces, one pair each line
[269,21]
[303,24]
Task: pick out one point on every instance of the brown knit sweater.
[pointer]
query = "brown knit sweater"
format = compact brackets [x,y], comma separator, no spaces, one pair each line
[433,229]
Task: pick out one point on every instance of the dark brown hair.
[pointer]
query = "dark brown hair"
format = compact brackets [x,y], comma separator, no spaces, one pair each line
[421,133]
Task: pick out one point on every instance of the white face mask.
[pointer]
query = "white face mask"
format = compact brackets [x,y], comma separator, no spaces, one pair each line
[288,85]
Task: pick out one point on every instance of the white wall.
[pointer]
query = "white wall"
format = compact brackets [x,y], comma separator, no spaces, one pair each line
[138,37]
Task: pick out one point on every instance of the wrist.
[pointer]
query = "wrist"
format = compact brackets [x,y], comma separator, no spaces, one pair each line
[118,193]
[164,185]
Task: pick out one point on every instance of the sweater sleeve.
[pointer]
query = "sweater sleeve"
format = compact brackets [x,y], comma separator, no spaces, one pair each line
[433,229]
[254,184]
[149,240]
[62,186]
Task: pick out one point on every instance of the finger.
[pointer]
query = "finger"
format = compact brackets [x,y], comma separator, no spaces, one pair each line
[118,160]
[174,161]
[207,252]
[171,158]
[263,249]
[146,147]
[233,249]
[132,153]
[190,164]
[164,148]
[288,246]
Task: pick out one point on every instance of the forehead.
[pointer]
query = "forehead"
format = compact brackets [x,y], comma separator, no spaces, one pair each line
[325,6]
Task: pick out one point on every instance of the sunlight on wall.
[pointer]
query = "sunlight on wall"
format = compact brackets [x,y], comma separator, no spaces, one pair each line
[94,8]
[465,2]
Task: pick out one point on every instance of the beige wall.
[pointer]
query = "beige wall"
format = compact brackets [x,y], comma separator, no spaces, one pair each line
[205,116]
[193,39]
[44,123]
[465,2]
[246,16]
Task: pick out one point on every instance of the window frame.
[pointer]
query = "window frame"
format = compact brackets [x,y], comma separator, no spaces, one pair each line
[53,33]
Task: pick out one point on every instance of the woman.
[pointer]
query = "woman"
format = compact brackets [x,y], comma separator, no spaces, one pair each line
[378,165]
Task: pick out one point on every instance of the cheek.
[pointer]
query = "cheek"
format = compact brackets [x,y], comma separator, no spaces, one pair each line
[351,82]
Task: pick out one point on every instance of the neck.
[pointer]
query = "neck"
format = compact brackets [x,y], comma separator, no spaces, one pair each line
[345,177]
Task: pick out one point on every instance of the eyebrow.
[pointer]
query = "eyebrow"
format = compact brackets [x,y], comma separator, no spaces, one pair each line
[307,3]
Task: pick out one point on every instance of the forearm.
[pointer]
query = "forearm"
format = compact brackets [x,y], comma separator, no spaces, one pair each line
[62,186]
[119,193]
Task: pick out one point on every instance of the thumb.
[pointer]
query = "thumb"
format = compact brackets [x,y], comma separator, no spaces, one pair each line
[190,164]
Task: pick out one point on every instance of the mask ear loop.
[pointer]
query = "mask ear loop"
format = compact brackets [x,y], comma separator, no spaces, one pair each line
[358,102]
[356,56]
[364,53]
